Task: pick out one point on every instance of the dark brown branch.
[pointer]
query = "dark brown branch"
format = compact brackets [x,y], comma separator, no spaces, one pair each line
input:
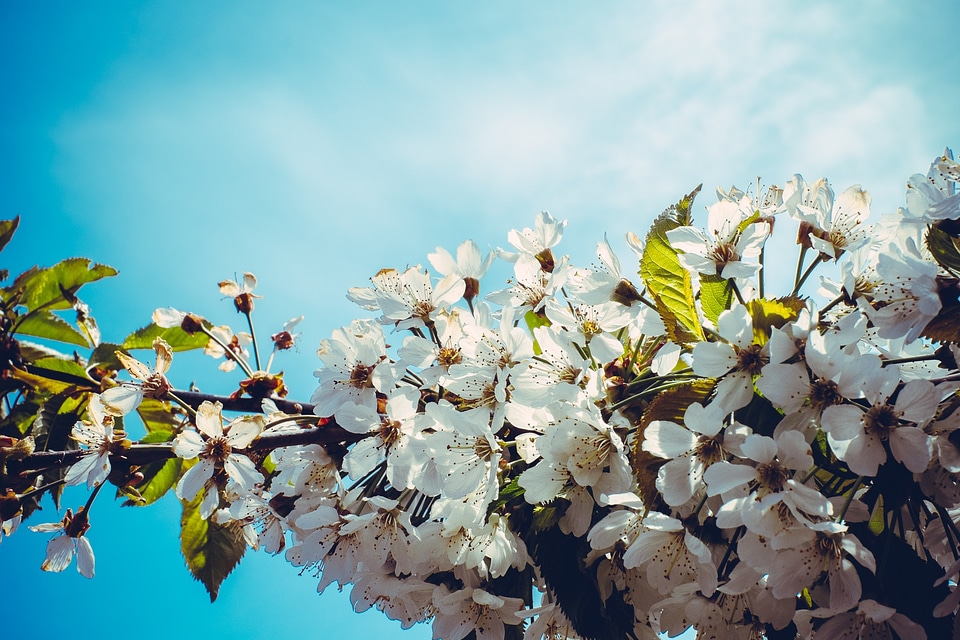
[328,433]
[243,405]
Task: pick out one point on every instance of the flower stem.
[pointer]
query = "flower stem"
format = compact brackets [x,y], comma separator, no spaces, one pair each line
[253,338]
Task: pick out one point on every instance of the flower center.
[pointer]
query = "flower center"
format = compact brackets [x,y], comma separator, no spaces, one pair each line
[449,356]
[723,253]
[360,376]
[880,420]
[773,477]
[216,449]
[824,393]
[708,450]
[751,359]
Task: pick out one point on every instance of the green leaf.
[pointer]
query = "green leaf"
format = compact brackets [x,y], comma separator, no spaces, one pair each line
[945,327]
[177,338]
[767,314]
[159,478]
[668,281]
[7,227]
[69,367]
[944,249]
[45,287]
[716,295]
[535,320]
[158,415]
[44,324]
[105,357]
[211,550]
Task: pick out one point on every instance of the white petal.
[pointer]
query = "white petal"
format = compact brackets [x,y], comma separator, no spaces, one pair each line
[242,469]
[243,431]
[667,439]
[912,447]
[723,476]
[85,560]
[194,479]
[59,554]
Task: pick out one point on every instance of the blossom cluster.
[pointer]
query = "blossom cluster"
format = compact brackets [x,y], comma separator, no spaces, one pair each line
[719,458]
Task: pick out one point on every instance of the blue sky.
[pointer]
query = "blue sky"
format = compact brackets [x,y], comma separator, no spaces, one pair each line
[314,143]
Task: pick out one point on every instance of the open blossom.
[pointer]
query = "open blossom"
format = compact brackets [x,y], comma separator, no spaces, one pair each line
[70,540]
[214,446]
[736,360]
[355,368]
[728,245]
[127,396]
[860,438]
[97,434]
[934,196]
[468,266]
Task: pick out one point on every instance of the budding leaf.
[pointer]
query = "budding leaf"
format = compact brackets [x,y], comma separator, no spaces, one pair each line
[177,338]
[667,280]
[211,550]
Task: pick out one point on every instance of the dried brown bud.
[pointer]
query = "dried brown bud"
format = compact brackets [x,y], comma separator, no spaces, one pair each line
[282,341]
[192,323]
[244,302]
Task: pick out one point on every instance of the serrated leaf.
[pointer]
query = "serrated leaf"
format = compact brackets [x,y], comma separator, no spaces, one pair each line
[105,357]
[177,338]
[41,383]
[45,287]
[211,550]
[31,351]
[767,314]
[7,229]
[667,280]
[944,249]
[158,416]
[44,324]
[945,327]
[716,295]
[669,405]
[159,478]
[61,365]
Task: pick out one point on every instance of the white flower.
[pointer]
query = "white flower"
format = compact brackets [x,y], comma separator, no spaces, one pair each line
[473,609]
[689,450]
[355,368]
[97,434]
[909,296]
[70,540]
[859,437]
[671,556]
[870,620]
[127,396]
[724,249]
[468,266]
[214,446]
[934,196]
[735,361]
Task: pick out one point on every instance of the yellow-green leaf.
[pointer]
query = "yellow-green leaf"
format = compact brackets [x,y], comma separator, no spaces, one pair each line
[177,338]
[211,550]
[44,324]
[7,228]
[716,295]
[767,314]
[668,281]
[45,287]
